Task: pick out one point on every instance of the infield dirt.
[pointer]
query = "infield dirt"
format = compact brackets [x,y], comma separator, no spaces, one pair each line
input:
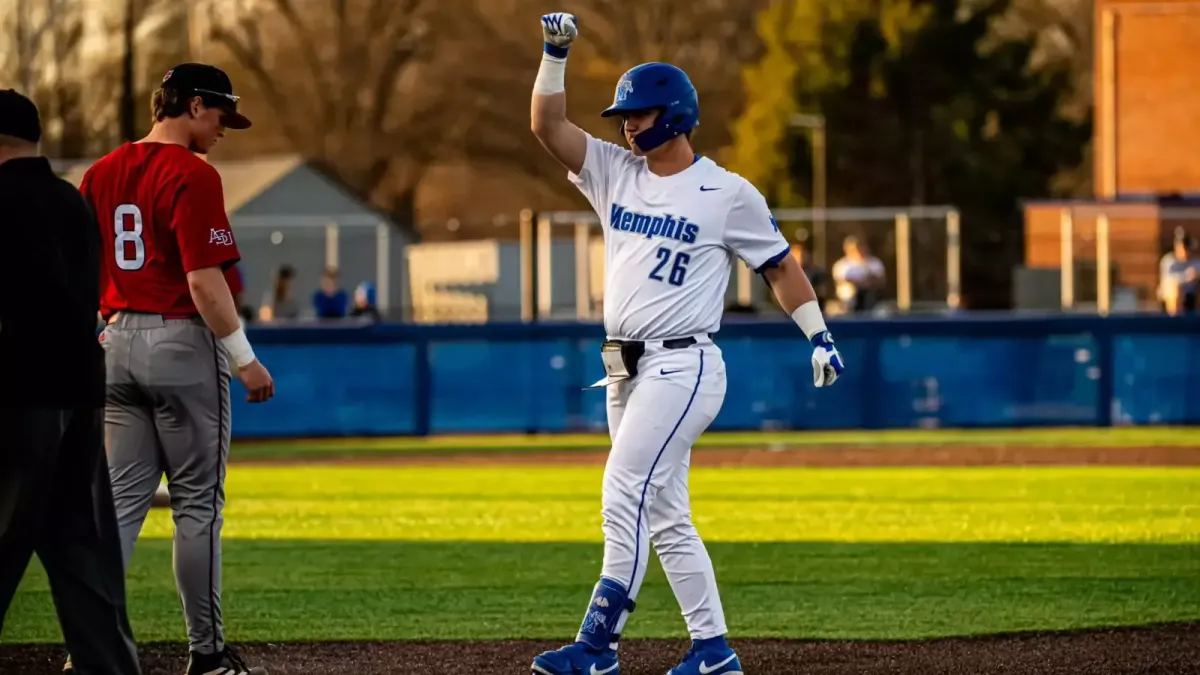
[1160,650]
[1169,649]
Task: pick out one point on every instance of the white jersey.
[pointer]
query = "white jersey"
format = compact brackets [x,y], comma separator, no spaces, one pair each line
[670,240]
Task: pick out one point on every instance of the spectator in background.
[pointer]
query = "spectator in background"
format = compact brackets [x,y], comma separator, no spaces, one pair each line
[817,276]
[859,276]
[330,301]
[364,302]
[1179,275]
[279,303]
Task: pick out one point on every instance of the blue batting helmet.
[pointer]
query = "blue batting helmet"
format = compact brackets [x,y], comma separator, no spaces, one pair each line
[658,86]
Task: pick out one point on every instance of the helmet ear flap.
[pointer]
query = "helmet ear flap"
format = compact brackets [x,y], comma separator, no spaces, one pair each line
[677,122]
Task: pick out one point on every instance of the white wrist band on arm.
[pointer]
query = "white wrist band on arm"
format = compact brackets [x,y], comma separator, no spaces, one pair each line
[808,317]
[239,348]
[552,76]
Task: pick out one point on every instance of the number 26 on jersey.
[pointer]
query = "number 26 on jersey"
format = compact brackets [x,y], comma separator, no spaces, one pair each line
[678,266]
[130,247]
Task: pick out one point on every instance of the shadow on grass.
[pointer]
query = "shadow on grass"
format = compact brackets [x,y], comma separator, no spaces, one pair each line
[308,590]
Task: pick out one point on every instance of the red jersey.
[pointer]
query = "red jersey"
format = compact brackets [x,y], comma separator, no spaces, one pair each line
[161,212]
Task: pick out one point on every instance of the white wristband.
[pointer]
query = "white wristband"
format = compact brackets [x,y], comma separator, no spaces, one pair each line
[808,317]
[552,76]
[239,348]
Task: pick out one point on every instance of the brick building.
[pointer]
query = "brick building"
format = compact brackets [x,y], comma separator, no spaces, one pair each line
[1146,147]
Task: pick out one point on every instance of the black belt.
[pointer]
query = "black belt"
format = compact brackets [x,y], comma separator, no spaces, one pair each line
[676,343]
[679,343]
[632,350]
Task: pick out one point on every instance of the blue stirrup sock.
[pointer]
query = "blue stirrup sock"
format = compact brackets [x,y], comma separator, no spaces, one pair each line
[711,643]
[599,628]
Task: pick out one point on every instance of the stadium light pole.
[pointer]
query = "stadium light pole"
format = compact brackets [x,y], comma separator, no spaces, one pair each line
[816,126]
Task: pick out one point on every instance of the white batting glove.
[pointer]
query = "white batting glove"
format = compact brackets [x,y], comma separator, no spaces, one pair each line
[559,30]
[827,362]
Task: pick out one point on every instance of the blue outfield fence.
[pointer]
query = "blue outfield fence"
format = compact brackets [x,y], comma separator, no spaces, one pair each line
[401,379]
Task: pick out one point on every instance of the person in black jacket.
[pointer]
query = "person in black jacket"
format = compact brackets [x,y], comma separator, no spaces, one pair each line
[55,495]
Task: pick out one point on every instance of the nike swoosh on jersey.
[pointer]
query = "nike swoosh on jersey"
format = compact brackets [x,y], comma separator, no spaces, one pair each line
[668,372]
[705,669]
[707,189]
[606,670]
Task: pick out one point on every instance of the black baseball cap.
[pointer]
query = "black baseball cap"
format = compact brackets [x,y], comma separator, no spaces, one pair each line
[210,83]
[19,116]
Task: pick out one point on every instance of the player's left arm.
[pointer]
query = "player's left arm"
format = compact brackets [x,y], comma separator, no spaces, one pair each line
[790,284]
[754,235]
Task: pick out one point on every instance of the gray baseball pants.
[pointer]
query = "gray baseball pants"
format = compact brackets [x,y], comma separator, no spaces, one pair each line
[167,411]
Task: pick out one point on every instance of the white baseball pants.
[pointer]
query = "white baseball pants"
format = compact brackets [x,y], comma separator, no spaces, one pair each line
[654,419]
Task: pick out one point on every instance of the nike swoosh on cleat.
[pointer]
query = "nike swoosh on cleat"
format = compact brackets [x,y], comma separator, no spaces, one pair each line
[705,669]
[606,670]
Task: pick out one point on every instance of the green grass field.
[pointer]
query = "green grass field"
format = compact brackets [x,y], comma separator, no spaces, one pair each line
[347,552]
[441,445]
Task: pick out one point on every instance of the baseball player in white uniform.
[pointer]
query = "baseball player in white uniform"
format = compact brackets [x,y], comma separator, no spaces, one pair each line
[672,222]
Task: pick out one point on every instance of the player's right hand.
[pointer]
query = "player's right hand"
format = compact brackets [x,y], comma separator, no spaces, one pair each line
[560,29]
[259,385]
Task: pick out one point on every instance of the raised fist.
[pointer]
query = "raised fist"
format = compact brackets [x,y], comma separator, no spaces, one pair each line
[559,29]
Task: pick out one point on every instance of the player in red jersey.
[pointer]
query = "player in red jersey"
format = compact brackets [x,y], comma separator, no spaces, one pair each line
[172,329]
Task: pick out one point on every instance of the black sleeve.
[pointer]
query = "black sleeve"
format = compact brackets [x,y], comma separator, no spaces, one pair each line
[17,272]
[79,254]
[91,251]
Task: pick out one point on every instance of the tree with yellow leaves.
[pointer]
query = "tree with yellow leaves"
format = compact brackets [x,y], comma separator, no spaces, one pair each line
[807,49]
[924,102]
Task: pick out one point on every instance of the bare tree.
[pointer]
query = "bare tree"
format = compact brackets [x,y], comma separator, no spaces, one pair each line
[47,35]
[33,20]
[345,83]
[81,96]
[380,91]
[67,92]
[141,39]
[8,56]
[710,39]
